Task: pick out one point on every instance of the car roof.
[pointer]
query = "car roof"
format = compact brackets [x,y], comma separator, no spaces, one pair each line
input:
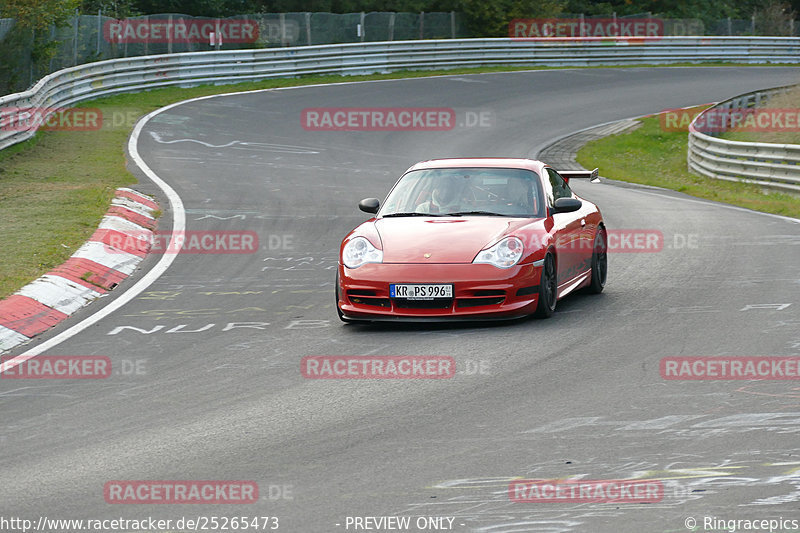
[480,162]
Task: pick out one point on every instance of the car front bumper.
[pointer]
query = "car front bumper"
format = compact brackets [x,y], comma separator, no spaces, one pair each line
[479,291]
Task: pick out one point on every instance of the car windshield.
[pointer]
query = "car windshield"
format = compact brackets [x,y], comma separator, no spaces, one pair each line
[506,192]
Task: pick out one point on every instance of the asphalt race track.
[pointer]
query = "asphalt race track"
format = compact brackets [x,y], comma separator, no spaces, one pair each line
[208,383]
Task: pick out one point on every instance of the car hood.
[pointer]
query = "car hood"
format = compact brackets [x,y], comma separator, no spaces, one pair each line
[445,239]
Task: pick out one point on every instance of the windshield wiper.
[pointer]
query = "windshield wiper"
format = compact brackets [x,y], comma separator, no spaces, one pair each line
[463,213]
[414,214]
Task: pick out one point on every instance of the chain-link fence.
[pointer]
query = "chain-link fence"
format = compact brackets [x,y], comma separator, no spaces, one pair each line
[757,25]
[26,57]
[94,37]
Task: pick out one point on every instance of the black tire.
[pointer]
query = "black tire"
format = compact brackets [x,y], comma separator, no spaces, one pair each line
[599,263]
[548,289]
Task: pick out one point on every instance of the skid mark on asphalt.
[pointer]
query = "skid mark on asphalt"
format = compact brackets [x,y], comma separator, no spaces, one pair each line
[266,147]
[687,479]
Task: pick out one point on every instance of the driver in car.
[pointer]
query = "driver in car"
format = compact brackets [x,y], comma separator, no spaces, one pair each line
[445,197]
[518,196]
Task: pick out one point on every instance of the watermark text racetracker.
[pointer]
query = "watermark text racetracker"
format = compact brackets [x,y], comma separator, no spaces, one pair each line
[66,118]
[377,367]
[626,241]
[180,492]
[730,368]
[153,30]
[586,491]
[715,120]
[69,367]
[393,119]
[191,242]
[50,118]
[576,28]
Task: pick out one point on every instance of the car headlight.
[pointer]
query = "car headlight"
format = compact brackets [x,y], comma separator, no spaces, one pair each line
[360,251]
[504,254]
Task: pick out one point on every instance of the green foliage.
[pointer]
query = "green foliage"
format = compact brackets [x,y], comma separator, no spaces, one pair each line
[39,15]
[491,19]
[707,10]
[29,40]
[117,9]
[15,60]
[774,18]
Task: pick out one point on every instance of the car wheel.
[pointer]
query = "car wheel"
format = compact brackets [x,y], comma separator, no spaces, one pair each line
[548,287]
[599,263]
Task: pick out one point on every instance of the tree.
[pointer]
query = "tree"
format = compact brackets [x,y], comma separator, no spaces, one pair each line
[118,9]
[491,19]
[38,15]
[774,18]
[29,39]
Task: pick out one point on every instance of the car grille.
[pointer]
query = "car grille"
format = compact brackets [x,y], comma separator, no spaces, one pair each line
[477,298]
[367,297]
[477,302]
[443,303]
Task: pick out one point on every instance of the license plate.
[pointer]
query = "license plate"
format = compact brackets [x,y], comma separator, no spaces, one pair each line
[420,292]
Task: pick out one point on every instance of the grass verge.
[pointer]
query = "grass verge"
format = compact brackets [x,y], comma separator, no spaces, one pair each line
[55,188]
[652,156]
[785,106]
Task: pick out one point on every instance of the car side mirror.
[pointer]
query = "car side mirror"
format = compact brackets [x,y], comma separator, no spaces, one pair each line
[566,205]
[369,205]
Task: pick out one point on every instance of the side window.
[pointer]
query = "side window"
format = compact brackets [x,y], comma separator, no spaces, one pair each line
[560,187]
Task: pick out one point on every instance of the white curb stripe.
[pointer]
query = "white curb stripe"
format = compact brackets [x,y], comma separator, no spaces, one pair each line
[136,207]
[108,256]
[178,227]
[10,338]
[59,293]
[136,193]
[66,296]
[117,223]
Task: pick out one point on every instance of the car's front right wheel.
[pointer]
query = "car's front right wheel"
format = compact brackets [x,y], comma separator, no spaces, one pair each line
[599,263]
[548,288]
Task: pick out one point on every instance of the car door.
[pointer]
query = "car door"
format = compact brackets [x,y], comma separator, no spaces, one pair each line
[568,228]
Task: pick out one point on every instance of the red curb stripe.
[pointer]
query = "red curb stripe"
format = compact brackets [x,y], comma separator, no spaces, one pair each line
[137,198]
[73,273]
[27,316]
[133,216]
[132,242]
[100,277]
[70,274]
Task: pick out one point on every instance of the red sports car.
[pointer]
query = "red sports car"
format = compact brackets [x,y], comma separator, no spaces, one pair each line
[472,239]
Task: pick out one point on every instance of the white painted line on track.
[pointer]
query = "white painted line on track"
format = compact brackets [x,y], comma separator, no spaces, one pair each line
[710,203]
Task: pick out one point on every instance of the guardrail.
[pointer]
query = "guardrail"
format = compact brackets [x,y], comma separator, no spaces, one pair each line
[84,82]
[772,166]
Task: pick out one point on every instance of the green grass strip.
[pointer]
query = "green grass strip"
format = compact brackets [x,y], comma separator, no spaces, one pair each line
[651,156]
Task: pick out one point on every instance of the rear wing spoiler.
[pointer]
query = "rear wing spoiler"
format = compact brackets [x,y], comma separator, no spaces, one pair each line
[580,174]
